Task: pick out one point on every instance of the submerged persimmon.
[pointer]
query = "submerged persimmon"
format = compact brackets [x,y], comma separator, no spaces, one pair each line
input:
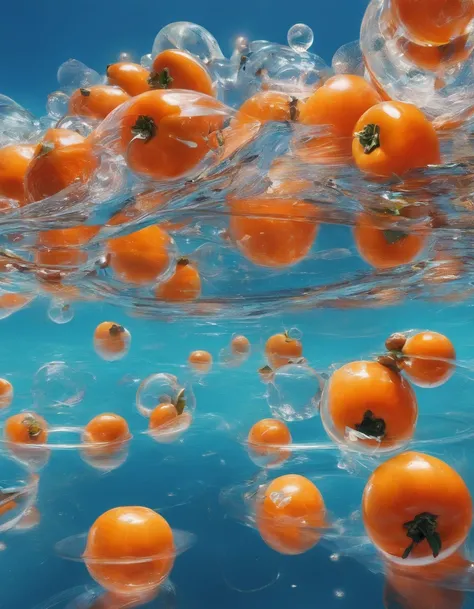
[184,285]
[14,162]
[175,69]
[273,232]
[282,349]
[26,428]
[97,101]
[111,340]
[6,393]
[131,77]
[291,514]
[267,438]
[201,361]
[268,106]
[106,427]
[416,506]
[373,400]
[429,358]
[240,345]
[129,533]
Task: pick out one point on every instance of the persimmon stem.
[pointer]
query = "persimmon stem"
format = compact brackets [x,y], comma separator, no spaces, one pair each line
[422,527]
[294,112]
[393,236]
[160,80]
[34,427]
[85,92]
[144,127]
[44,148]
[180,403]
[389,360]
[182,261]
[115,330]
[371,426]
[369,138]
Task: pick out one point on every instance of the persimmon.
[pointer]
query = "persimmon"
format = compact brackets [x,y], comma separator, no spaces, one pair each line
[57,137]
[97,101]
[267,438]
[130,77]
[392,138]
[385,247]
[273,232]
[160,143]
[200,360]
[240,345]
[433,22]
[57,164]
[403,591]
[291,514]
[162,416]
[61,247]
[338,104]
[14,163]
[26,428]
[111,340]
[267,106]
[436,58]
[183,285]
[428,359]
[175,69]
[6,393]
[416,506]
[14,301]
[373,400]
[281,349]
[140,257]
[106,427]
[139,537]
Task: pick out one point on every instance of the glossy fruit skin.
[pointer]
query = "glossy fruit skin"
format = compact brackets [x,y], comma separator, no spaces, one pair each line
[135,533]
[97,101]
[162,416]
[362,386]
[140,257]
[407,485]
[54,169]
[433,22]
[377,246]
[183,286]
[267,106]
[14,162]
[61,247]
[281,349]
[266,439]
[291,526]
[430,372]
[436,58]
[407,140]
[131,77]
[273,232]
[186,71]
[107,427]
[337,104]
[172,144]
[18,429]
[6,393]
[200,360]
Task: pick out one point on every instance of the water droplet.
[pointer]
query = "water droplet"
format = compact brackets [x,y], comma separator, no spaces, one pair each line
[147,61]
[125,57]
[57,104]
[300,37]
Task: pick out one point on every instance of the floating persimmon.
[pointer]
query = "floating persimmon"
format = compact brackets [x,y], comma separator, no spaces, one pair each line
[291,514]
[62,247]
[175,69]
[273,232]
[201,361]
[129,76]
[97,101]
[184,285]
[428,358]
[137,536]
[162,416]
[26,428]
[268,438]
[140,257]
[111,340]
[282,349]
[14,163]
[372,400]
[6,393]
[240,345]
[416,508]
[107,428]
[267,106]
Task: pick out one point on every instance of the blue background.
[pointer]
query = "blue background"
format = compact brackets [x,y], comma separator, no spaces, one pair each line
[183,479]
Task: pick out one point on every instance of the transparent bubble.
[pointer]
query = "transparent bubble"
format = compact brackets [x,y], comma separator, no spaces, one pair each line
[348,59]
[147,61]
[300,37]
[126,57]
[16,123]
[83,125]
[57,104]
[47,122]
[161,388]
[60,312]
[11,302]
[241,44]
[114,344]
[187,37]
[58,386]
[295,392]
[18,491]
[73,74]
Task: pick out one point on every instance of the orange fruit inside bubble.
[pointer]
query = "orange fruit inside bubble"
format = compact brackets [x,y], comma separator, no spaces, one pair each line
[14,162]
[267,439]
[429,359]
[240,345]
[176,69]
[291,514]
[201,361]
[111,340]
[6,393]
[137,535]
[106,428]
[281,349]
[184,285]
[97,101]
[268,106]
[129,76]
[26,428]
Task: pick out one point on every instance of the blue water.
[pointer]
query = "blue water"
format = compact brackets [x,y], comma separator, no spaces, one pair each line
[229,566]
